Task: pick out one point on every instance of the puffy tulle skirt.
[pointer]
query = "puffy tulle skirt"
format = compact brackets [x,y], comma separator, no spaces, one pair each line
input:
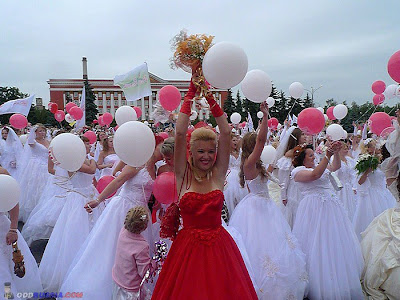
[69,233]
[44,216]
[233,192]
[371,204]
[349,199]
[278,264]
[98,252]
[326,236]
[32,179]
[31,281]
[204,264]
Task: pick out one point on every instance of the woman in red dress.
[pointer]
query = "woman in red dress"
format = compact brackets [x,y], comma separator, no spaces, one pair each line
[204,261]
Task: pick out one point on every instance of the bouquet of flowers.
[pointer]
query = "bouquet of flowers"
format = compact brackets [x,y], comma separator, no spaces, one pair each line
[365,162]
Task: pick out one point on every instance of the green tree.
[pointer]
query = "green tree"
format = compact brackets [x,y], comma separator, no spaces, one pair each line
[239,105]
[229,105]
[252,108]
[7,94]
[90,106]
[307,102]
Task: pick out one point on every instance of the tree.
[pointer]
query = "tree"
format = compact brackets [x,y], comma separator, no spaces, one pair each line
[229,105]
[90,106]
[239,105]
[307,102]
[252,108]
[7,94]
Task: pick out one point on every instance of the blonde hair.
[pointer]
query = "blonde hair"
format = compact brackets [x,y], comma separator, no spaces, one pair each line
[202,134]
[249,142]
[365,144]
[168,146]
[136,219]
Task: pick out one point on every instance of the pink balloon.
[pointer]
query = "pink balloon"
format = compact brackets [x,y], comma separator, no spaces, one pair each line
[170,97]
[103,182]
[53,107]
[164,135]
[329,113]
[394,67]
[76,112]
[385,132]
[59,115]
[69,106]
[379,121]
[18,121]
[107,118]
[378,99]
[91,136]
[164,188]
[116,128]
[311,121]
[378,87]
[101,121]
[273,123]
[138,111]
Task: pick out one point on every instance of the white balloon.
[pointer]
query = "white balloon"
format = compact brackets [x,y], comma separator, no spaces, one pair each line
[134,143]
[125,114]
[193,115]
[268,155]
[23,138]
[256,86]
[390,91]
[326,117]
[69,118]
[270,102]
[68,151]
[340,111]
[146,123]
[10,192]
[345,134]
[320,109]
[296,90]
[225,65]
[335,132]
[260,114]
[235,118]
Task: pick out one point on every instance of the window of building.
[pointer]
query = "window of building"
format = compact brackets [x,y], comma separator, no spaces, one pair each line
[100,94]
[76,102]
[123,102]
[115,102]
[108,110]
[115,95]
[108,94]
[108,102]
[76,94]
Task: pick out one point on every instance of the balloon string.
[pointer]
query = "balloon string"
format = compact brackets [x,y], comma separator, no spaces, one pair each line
[364,114]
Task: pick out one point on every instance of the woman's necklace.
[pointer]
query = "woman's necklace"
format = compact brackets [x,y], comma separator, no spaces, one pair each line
[199,177]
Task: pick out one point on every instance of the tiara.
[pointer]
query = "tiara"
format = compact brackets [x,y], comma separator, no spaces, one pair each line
[367,141]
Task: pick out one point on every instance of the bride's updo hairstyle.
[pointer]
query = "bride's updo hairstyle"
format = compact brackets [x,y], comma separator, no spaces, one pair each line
[299,154]
[248,144]
[202,134]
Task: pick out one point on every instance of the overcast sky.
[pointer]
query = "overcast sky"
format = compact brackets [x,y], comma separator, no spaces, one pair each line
[342,45]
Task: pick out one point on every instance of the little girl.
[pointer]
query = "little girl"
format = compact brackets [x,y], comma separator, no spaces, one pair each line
[132,259]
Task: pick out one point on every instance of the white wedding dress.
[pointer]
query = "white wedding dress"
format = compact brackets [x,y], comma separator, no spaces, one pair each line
[109,159]
[44,216]
[32,177]
[277,262]
[31,281]
[374,198]
[69,233]
[90,272]
[322,227]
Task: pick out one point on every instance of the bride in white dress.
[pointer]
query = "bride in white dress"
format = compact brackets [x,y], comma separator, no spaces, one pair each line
[44,216]
[11,151]
[98,251]
[33,175]
[107,158]
[277,262]
[71,229]
[8,235]
[334,259]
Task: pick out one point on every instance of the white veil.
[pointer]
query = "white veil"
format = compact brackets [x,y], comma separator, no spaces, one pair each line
[284,140]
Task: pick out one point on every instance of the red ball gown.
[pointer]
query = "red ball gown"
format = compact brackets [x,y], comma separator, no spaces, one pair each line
[204,261]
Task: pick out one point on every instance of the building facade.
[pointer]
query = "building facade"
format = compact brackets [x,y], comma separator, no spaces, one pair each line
[109,97]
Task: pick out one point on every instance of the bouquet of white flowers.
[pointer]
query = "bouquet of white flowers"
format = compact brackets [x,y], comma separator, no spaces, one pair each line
[365,162]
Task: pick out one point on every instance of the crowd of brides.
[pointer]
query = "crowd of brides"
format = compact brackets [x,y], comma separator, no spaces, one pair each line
[286,233]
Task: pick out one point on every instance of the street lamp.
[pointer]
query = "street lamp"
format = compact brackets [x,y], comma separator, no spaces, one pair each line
[313,91]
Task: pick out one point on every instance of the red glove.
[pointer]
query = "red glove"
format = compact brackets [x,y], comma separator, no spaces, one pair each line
[214,107]
[186,107]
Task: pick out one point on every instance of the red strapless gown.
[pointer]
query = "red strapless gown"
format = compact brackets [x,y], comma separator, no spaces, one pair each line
[204,261]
